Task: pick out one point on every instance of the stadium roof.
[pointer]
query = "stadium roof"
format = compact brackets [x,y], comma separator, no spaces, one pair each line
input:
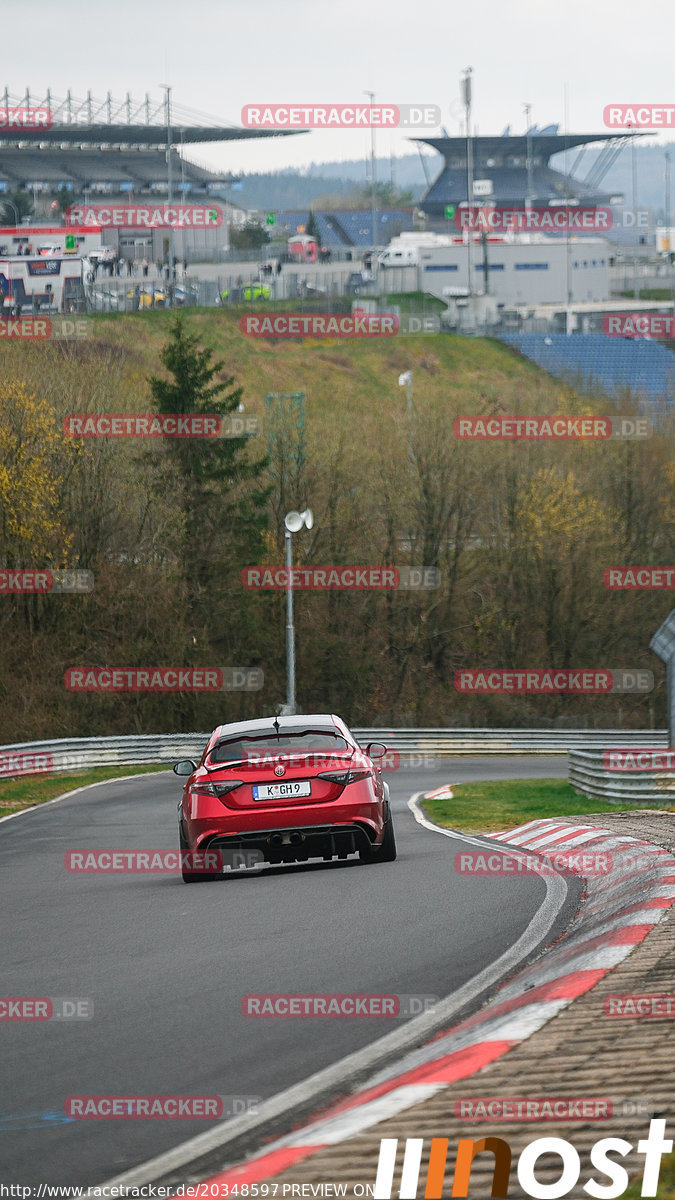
[111,122]
[544,143]
[504,162]
[110,145]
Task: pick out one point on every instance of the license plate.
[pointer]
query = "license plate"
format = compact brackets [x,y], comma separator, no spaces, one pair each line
[281,791]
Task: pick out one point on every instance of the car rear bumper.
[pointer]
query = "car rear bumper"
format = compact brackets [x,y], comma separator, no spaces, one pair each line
[291,844]
[356,809]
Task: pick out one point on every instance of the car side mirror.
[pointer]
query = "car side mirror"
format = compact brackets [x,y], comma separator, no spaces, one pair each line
[185,767]
[376,750]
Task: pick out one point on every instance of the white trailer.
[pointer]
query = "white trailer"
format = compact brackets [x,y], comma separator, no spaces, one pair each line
[404,250]
[42,283]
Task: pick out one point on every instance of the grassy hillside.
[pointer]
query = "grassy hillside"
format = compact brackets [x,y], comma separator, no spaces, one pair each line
[519,531]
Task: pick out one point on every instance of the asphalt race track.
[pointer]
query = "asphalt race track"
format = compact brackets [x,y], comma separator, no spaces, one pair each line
[167,965]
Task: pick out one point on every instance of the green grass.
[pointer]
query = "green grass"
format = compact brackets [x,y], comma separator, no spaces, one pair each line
[27,790]
[413,302]
[666,1185]
[649,294]
[496,805]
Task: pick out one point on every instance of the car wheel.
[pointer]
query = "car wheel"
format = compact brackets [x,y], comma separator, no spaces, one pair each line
[387,851]
[192,876]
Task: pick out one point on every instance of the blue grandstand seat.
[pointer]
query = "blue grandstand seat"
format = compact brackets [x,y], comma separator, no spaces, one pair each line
[592,362]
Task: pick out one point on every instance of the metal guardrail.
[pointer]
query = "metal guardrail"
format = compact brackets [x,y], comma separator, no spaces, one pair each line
[453,742]
[588,775]
[418,747]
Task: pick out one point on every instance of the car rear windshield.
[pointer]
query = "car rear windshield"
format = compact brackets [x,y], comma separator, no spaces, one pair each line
[290,741]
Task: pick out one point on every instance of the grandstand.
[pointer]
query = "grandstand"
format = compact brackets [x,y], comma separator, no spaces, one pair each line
[502,164]
[128,169]
[503,161]
[111,146]
[613,366]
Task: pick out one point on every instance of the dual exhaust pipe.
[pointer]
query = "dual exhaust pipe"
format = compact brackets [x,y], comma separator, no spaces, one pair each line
[286,839]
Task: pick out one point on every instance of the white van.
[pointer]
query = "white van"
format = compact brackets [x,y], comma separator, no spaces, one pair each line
[399,256]
[103,254]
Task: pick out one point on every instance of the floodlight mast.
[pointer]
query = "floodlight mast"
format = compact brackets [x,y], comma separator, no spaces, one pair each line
[169,177]
[293,523]
[466,89]
[373,199]
[528,161]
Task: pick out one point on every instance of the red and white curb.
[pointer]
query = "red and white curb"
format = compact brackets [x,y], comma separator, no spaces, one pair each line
[620,910]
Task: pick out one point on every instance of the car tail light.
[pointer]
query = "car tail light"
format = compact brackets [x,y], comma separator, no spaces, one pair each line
[217,789]
[344,777]
[341,777]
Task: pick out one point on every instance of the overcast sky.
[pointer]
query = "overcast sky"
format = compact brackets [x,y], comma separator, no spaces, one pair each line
[219,55]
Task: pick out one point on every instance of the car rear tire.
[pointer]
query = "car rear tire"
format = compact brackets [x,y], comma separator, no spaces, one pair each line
[387,851]
[192,876]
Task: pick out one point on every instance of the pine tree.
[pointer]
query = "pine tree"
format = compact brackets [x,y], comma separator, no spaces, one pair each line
[223,510]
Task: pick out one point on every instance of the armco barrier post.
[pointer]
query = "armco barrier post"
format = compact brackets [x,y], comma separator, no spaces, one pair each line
[663,644]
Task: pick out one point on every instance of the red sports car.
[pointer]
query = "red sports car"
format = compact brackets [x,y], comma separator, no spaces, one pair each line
[281,790]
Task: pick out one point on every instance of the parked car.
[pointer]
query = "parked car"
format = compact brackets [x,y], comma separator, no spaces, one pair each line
[148,297]
[358,282]
[303,289]
[104,300]
[185,294]
[240,295]
[283,790]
